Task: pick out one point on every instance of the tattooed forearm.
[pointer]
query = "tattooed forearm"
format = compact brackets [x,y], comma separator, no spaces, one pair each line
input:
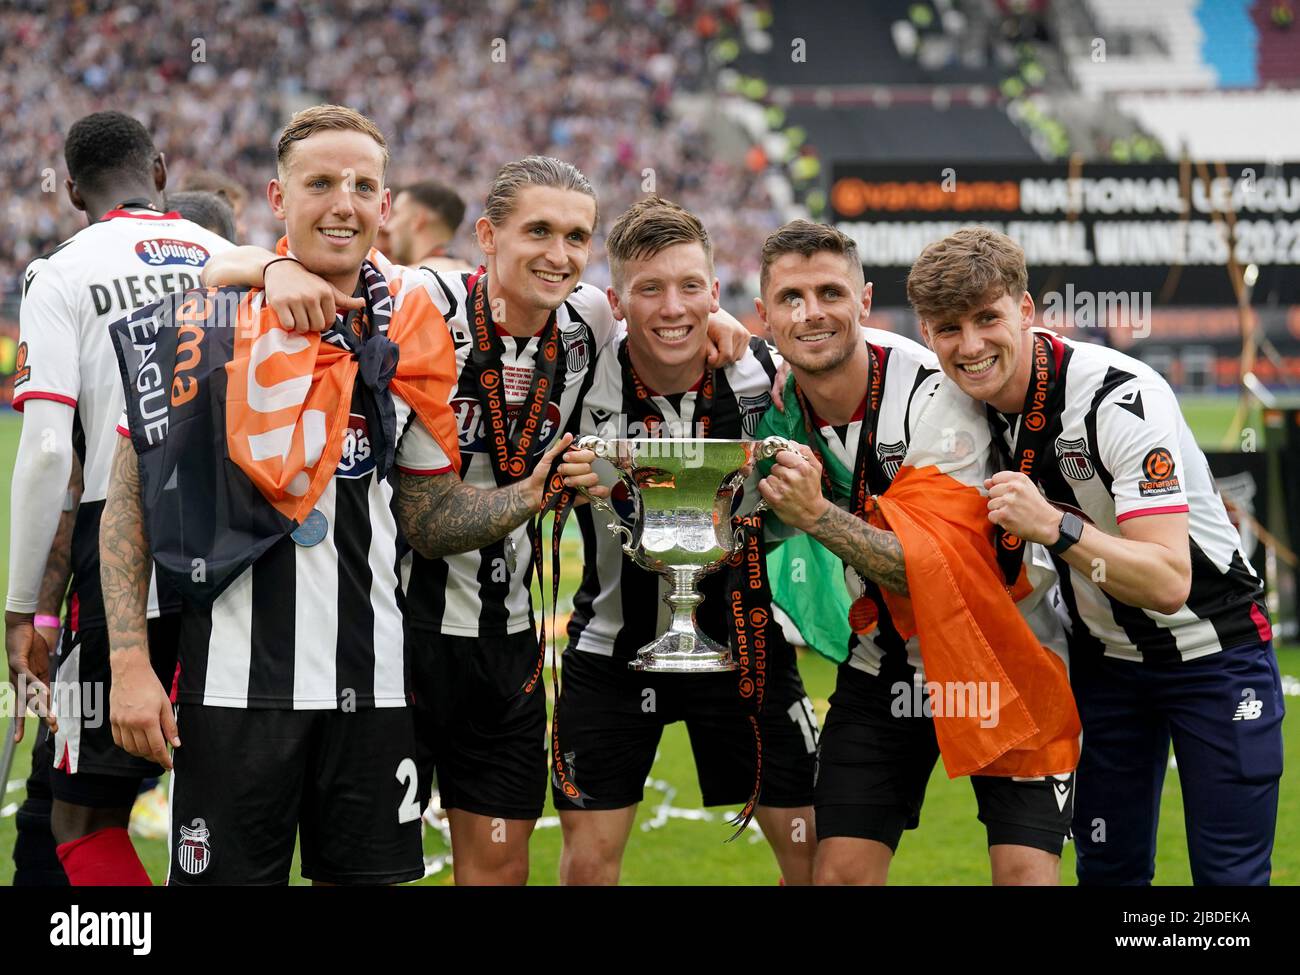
[877,554]
[58,567]
[124,555]
[440,515]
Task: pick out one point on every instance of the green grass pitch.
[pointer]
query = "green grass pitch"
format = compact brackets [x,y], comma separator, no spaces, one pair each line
[948,848]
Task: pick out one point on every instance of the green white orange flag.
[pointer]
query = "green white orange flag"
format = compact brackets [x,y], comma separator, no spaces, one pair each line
[969,626]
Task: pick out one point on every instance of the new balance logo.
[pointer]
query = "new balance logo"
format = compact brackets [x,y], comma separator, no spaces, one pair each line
[1248,710]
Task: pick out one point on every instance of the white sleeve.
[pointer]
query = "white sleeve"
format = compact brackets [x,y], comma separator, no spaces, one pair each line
[1142,453]
[923,395]
[40,485]
[418,453]
[910,347]
[49,349]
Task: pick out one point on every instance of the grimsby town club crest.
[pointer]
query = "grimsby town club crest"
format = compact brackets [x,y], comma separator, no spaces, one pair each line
[891,457]
[1073,457]
[193,853]
[752,409]
[575,349]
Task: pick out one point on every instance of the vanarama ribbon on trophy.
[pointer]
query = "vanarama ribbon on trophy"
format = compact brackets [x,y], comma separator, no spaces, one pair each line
[749,601]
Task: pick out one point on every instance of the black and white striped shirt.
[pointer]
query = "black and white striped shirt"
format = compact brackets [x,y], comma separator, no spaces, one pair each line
[910,378]
[1123,450]
[618,607]
[486,593]
[314,623]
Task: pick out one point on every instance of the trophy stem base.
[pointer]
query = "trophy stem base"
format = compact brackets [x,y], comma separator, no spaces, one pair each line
[684,649]
[683,653]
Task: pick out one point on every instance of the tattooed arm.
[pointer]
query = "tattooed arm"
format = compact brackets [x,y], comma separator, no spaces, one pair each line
[441,515]
[58,567]
[124,556]
[794,490]
[877,554]
[138,707]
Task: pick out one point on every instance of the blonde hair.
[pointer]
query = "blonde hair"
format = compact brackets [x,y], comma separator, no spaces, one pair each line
[324,118]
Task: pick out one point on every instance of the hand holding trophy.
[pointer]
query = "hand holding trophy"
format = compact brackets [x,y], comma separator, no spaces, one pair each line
[682,490]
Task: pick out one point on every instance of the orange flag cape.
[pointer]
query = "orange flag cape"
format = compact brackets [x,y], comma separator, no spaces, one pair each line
[973,638]
[971,631]
[289,396]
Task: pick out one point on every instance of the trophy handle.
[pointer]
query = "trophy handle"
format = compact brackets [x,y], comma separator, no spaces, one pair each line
[600,448]
[766,449]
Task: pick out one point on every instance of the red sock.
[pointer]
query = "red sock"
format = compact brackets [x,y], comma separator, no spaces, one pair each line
[104,858]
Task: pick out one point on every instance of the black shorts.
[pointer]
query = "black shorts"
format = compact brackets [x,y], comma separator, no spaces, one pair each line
[611,718]
[475,727]
[89,770]
[247,781]
[874,765]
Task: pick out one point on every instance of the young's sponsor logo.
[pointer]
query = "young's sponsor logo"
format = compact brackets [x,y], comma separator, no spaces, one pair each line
[168,250]
[357,459]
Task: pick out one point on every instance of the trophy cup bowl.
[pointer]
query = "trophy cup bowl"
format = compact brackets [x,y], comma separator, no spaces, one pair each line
[682,491]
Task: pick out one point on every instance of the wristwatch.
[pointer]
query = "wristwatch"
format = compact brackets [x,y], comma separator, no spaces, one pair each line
[1071,528]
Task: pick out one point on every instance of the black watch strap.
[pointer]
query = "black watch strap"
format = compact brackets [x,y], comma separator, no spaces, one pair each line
[1071,529]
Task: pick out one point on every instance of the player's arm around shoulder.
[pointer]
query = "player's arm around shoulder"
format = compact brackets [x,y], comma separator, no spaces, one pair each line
[239,266]
[728,339]
[138,707]
[302,301]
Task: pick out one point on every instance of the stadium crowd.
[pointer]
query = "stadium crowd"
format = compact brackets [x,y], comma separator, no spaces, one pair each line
[460,86]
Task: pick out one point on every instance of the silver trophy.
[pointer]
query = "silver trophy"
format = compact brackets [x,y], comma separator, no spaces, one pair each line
[683,491]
